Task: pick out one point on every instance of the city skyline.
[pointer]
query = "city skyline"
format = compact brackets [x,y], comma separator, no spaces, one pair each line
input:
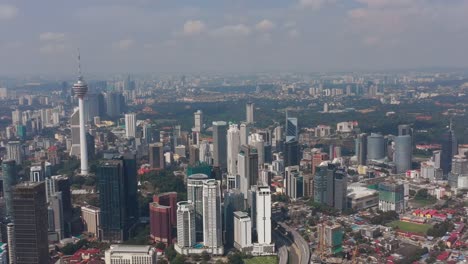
[304,35]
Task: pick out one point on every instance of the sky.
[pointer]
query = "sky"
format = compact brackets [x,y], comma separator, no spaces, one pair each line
[197,36]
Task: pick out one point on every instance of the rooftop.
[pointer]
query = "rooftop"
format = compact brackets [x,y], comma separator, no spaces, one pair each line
[129,249]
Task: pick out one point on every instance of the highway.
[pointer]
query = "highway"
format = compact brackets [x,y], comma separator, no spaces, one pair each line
[298,247]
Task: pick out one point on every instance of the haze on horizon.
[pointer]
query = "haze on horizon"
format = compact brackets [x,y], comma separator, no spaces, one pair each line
[231,36]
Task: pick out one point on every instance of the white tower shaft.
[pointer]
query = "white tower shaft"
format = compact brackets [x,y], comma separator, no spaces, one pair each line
[83,145]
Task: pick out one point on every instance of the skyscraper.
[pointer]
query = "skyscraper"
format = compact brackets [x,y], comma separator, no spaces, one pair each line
[156,156]
[449,149]
[249,109]
[14,152]
[242,230]
[403,153]
[160,223]
[75,133]
[114,104]
[130,125]
[117,196]
[258,142]
[195,194]
[80,88]
[244,133]
[233,145]
[220,144]
[168,199]
[185,225]
[361,148]
[233,201]
[247,168]
[291,153]
[391,197]
[330,185]
[36,173]
[59,183]
[56,204]
[198,116]
[10,178]
[291,129]
[30,218]
[263,223]
[375,147]
[212,228]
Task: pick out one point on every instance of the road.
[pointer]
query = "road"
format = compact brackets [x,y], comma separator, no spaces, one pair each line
[282,243]
[298,246]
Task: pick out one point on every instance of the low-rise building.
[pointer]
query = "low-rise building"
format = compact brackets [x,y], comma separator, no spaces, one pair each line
[130,254]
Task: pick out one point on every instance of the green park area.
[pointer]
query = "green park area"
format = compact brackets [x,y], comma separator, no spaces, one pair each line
[262,260]
[410,227]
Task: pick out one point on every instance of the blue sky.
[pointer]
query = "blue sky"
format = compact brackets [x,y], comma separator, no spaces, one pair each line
[119,36]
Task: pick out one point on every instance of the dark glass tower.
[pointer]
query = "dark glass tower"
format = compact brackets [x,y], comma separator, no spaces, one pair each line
[449,149]
[118,197]
[30,218]
[291,153]
[9,181]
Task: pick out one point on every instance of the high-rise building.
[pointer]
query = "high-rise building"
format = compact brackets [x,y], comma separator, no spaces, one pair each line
[258,142]
[449,149]
[263,216]
[36,174]
[117,196]
[148,131]
[233,146]
[9,179]
[212,228]
[330,237]
[291,153]
[92,105]
[195,194]
[375,147]
[233,201]
[404,130]
[80,88]
[244,133]
[403,153]
[291,129]
[114,104]
[330,185]
[75,133]
[249,109]
[361,148]
[56,204]
[168,199]
[11,242]
[156,156]
[160,223]
[90,215]
[130,125]
[247,168]
[391,197]
[220,144]
[59,183]
[30,219]
[131,254]
[198,116]
[185,225]
[290,175]
[14,152]
[242,230]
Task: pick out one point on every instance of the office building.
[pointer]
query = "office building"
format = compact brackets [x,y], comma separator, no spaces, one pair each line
[330,237]
[130,125]
[186,237]
[30,219]
[361,149]
[91,106]
[56,204]
[233,146]
[212,228]
[449,149]
[168,199]
[291,153]
[404,130]
[90,215]
[244,133]
[131,254]
[11,242]
[330,185]
[114,104]
[391,197]
[80,88]
[198,116]
[242,231]
[9,179]
[233,201]
[263,223]
[291,174]
[160,223]
[257,141]
[117,195]
[249,109]
[59,183]
[291,129]
[247,168]
[15,152]
[220,144]
[403,153]
[375,147]
[36,174]
[156,156]
[195,194]
[75,133]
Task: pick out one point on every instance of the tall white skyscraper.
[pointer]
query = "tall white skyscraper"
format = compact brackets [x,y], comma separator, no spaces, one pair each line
[263,222]
[80,88]
[256,141]
[198,116]
[244,133]
[130,125]
[250,113]
[242,230]
[233,145]
[212,229]
[14,152]
[185,224]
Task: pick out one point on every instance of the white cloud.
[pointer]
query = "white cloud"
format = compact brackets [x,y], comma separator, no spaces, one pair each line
[194,27]
[52,36]
[314,4]
[232,31]
[8,12]
[386,3]
[294,33]
[265,25]
[123,44]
